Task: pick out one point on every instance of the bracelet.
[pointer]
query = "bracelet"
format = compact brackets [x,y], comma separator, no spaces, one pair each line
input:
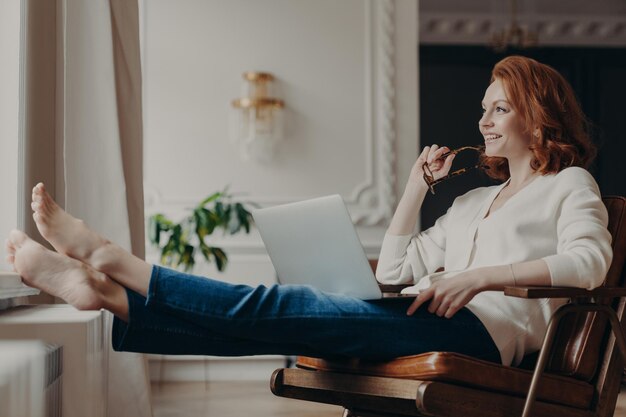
[513,275]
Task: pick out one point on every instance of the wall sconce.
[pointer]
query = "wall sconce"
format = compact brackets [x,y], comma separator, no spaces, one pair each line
[257,122]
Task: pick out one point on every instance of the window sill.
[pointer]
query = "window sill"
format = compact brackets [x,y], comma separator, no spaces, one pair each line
[12,289]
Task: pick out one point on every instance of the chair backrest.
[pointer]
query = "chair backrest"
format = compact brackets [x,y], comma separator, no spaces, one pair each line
[582,338]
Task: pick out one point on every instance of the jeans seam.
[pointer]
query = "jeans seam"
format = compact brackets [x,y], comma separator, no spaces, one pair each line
[152,289]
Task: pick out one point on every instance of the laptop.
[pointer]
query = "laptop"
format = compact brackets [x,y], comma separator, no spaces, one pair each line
[314,242]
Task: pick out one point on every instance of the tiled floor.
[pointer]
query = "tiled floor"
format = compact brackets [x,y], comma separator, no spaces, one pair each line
[236,399]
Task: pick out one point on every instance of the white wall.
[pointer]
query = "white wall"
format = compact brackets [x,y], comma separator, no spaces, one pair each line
[347,71]
[9,105]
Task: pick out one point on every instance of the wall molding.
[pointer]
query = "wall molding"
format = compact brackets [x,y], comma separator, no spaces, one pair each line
[553,30]
[371,201]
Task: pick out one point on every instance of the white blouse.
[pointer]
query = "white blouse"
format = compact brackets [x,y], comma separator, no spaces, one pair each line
[559,218]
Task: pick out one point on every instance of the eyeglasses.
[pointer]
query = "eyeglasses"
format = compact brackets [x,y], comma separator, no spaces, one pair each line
[430,178]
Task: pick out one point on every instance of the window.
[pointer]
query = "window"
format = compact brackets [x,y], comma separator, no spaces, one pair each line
[10,18]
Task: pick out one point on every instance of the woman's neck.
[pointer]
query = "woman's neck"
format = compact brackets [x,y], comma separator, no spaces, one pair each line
[521,172]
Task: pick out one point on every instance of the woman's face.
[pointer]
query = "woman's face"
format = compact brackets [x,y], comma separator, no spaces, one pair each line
[501,126]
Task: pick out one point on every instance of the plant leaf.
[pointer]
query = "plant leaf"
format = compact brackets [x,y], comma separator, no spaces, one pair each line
[158,223]
[180,246]
[206,251]
[220,258]
[187,258]
[201,222]
[154,231]
[219,209]
[210,198]
[244,216]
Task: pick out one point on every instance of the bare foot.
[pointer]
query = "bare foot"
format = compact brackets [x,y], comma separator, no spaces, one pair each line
[10,252]
[72,237]
[67,234]
[63,277]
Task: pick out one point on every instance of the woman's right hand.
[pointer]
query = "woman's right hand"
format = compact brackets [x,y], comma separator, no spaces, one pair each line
[438,167]
[407,212]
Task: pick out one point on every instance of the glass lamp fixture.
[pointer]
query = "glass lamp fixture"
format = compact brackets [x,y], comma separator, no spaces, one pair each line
[257,118]
[515,34]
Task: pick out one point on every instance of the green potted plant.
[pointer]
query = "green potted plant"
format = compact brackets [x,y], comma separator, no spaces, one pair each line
[180,242]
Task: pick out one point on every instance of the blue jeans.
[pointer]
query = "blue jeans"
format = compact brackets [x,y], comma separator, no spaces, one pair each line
[187,314]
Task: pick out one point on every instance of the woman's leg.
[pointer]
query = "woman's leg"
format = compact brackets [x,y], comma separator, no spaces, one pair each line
[66,278]
[72,237]
[303,319]
[280,316]
[186,314]
[150,330]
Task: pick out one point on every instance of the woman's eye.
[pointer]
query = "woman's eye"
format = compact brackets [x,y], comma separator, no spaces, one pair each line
[500,109]
[483,110]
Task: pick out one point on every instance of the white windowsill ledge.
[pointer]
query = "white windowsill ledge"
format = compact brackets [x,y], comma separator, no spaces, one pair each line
[12,288]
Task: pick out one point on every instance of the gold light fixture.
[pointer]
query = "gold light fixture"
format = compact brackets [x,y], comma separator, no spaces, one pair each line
[515,35]
[257,123]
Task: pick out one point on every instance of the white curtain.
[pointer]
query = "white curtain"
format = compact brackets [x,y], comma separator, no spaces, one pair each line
[83,137]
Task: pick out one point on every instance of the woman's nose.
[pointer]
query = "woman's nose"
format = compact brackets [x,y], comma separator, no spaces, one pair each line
[485,120]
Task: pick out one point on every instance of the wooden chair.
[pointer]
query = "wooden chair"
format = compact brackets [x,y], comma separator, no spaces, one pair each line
[577,372]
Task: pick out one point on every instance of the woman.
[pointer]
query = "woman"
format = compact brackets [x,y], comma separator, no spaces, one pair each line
[545,225]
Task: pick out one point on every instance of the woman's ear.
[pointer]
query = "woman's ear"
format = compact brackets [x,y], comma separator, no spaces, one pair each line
[536,132]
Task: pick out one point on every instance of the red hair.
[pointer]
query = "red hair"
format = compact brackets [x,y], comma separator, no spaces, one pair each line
[551,115]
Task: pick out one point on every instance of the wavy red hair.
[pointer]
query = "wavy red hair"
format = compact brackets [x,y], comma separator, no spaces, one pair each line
[551,114]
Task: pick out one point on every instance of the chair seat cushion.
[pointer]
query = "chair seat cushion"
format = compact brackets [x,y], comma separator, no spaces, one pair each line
[464,370]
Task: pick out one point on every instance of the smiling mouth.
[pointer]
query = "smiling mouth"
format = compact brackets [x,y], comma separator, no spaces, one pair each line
[492,138]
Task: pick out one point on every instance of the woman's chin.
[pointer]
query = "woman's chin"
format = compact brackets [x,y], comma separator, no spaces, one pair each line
[493,150]
[490,152]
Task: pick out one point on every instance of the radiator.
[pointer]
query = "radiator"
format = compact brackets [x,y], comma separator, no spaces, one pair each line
[53,371]
[82,358]
[30,379]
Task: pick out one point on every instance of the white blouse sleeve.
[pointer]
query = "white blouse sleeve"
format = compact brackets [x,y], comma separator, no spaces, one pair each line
[584,250]
[404,259]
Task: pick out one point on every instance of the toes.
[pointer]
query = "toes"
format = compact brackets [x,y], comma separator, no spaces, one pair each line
[37,194]
[40,207]
[49,205]
[38,189]
[9,246]
[18,238]
[40,195]
[38,218]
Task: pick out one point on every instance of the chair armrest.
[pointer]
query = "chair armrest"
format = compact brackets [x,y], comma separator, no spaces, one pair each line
[393,288]
[564,292]
[538,292]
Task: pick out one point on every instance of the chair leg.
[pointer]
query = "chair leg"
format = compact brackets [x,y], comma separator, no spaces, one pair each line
[620,338]
[543,357]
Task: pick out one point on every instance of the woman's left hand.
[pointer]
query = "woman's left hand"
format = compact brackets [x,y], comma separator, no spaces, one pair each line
[449,295]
